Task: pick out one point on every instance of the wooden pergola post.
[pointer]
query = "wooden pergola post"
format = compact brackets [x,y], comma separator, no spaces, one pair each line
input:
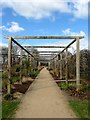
[27,57]
[39,63]
[30,63]
[77,64]
[9,65]
[20,65]
[66,65]
[58,65]
[49,64]
[61,67]
[55,64]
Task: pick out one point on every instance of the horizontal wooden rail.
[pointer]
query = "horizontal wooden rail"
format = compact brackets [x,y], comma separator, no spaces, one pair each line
[22,47]
[66,47]
[47,54]
[48,51]
[45,37]
[44,46]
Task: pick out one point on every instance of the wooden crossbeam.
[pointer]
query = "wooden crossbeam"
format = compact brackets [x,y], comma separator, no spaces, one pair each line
[66,47]
[21,47]
[44,60]
[47,54]
[44,37]
[44,46]
[48,51]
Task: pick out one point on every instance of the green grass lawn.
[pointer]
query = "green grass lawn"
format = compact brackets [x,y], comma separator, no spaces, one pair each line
[8,108]
[81,108]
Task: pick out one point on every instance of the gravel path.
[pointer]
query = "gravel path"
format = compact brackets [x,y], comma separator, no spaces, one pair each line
[44,99]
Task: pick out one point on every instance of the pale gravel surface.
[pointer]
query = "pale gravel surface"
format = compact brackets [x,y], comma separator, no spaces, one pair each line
[44,99]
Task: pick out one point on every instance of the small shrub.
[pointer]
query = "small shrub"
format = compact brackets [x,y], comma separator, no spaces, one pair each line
[34,73]
[15,79]
[4,74]
[64,86]
[86,87]
[68,86]
[8,97]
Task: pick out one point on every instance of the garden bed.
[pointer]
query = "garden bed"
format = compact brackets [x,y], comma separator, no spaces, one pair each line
[22,88]
[78,100]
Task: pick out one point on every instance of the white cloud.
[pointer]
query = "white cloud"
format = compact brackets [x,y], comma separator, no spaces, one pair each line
[69,32]
[2,27]
[14,27]
[45,8]
[83,42]
[80,8]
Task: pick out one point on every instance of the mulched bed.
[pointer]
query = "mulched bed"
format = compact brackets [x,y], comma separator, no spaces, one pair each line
[22,88]
[81,94]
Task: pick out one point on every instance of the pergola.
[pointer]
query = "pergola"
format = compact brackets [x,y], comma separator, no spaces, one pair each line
[58,53]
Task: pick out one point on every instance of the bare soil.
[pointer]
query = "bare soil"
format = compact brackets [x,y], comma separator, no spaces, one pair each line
[22,88]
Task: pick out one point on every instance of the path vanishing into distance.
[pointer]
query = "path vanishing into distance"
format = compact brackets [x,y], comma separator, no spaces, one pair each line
[44,99]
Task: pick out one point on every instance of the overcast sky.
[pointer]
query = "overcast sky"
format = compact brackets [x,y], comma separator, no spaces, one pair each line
[44,17]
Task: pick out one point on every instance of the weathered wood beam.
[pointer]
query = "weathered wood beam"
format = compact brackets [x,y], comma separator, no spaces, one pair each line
[43,60]
[13,55]
[21,66]
[49,64]
[61,75]
[45,37]
[78,64]
[48,54]
[48,51]
[21,47]
[66,66]
[9,65]
[44,46]
[66,47]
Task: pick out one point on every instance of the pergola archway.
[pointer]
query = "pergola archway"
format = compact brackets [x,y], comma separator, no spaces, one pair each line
[59,54]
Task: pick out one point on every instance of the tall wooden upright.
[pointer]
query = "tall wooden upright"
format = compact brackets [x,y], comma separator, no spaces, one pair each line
[20,65]
[66,65]
[9,65]
[61,76]
[78,63]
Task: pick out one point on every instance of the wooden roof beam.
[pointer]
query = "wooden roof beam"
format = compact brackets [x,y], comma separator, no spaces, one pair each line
[44,37]
[44,46]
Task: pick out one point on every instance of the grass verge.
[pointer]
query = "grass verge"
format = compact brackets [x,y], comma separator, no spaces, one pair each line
[8,108]
[81,108]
